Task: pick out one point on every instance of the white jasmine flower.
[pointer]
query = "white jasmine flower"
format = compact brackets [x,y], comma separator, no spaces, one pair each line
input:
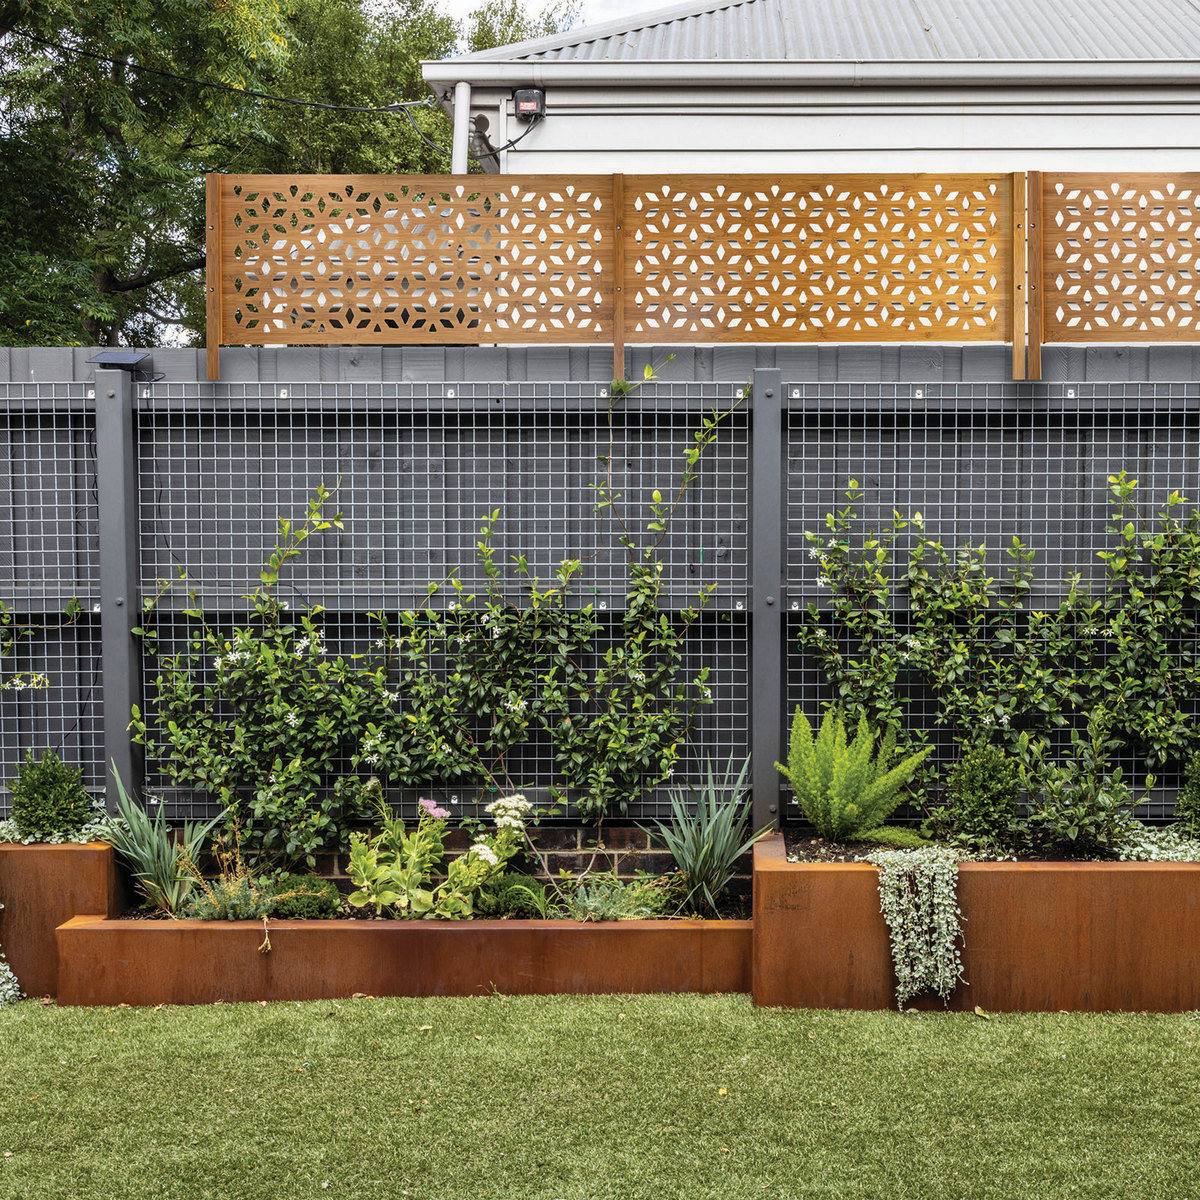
[218,663]
[822,581]
[813,552]
[292,719]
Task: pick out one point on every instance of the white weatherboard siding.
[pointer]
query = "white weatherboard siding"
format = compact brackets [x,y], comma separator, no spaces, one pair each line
[653,130]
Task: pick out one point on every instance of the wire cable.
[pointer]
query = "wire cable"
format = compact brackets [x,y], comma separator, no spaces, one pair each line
[399,106]
[495,152]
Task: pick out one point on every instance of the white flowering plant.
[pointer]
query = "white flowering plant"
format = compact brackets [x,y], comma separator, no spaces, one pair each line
[396,870]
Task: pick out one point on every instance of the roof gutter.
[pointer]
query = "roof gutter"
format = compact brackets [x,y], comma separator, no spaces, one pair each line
[824,73]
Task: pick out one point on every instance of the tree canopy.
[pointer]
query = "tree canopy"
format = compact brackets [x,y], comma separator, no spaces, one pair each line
[112,111]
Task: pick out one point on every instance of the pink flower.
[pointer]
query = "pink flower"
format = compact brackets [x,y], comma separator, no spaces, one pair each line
[428,806]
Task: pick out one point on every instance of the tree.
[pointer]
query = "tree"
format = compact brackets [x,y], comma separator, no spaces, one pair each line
[499,22]
[346,55]
[111,112]
[102,127]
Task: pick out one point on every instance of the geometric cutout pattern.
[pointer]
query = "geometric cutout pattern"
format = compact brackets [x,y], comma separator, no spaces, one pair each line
[345,259]
[818,258]
[1120,257]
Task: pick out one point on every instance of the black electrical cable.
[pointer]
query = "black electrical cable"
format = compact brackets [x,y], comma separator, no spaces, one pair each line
[496,151]
[399,106]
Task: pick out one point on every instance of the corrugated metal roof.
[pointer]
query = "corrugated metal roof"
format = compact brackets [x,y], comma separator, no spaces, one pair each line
[883,30]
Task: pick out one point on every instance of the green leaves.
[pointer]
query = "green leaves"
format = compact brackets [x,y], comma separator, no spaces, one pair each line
[842,787]
[706,843]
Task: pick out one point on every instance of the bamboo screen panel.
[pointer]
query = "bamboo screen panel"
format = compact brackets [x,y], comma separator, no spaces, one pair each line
[345,259]
[819,258]
[1119,257]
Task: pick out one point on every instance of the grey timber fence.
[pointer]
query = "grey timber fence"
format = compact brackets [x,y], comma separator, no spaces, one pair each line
[111,488]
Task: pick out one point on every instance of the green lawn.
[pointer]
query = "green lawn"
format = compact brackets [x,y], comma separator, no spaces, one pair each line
[623,1097]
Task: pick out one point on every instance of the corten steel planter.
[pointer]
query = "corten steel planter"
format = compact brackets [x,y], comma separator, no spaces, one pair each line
[197,962]
[1038,936]
[40,888]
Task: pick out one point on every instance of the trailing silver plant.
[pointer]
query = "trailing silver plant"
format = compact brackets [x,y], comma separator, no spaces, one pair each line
[918,896]
[10,989]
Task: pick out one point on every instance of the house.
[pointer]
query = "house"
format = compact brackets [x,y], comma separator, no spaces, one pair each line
[780,86]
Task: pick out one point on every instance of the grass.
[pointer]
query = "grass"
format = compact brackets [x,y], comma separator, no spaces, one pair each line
[563,1098]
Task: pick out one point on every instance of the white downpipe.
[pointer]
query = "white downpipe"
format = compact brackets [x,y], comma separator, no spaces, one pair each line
[462,124]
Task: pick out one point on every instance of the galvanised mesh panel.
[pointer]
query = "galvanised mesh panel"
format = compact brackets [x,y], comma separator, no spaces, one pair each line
[50,685]
[415,471]
[982,464]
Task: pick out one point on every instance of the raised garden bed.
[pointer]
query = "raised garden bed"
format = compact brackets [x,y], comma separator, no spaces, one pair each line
[1038,936]
[41,887]
[195,962]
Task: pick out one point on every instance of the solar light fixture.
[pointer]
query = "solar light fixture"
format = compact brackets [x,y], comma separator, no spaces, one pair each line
[126,360]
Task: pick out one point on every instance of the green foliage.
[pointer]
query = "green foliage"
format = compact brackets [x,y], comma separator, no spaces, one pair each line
[48,797]
[106,128]
[982,798]
[1082,809]
[500,22]
[157,859]
[999,671]
[305,898]
[265,733]
[1187,803]
[235,895]
[604,897]
[394,870]
[385,43]
[706,843]
[513,895]
[918,893]
[103,134]
[844,788]
[898,837]
[288,738]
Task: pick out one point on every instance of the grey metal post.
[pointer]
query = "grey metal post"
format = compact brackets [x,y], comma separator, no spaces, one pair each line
[766,591]
[116,487]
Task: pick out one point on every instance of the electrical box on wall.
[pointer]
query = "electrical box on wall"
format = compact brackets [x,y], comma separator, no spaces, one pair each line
[529,104]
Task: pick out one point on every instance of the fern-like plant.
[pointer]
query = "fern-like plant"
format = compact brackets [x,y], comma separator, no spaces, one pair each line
[844,788]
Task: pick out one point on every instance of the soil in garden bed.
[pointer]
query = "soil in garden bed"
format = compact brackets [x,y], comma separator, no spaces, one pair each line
[803,846]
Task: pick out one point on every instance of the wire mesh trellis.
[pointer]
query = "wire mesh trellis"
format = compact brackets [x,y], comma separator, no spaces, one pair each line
[51,694]
[415,470]
[982,464]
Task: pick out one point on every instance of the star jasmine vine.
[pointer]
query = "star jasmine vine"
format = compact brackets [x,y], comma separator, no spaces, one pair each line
[901,611]
[286,735]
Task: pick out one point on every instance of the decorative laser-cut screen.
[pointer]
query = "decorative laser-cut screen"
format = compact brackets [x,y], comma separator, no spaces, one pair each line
[344,259]
[325,259]
[819,258]
[1119,258]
